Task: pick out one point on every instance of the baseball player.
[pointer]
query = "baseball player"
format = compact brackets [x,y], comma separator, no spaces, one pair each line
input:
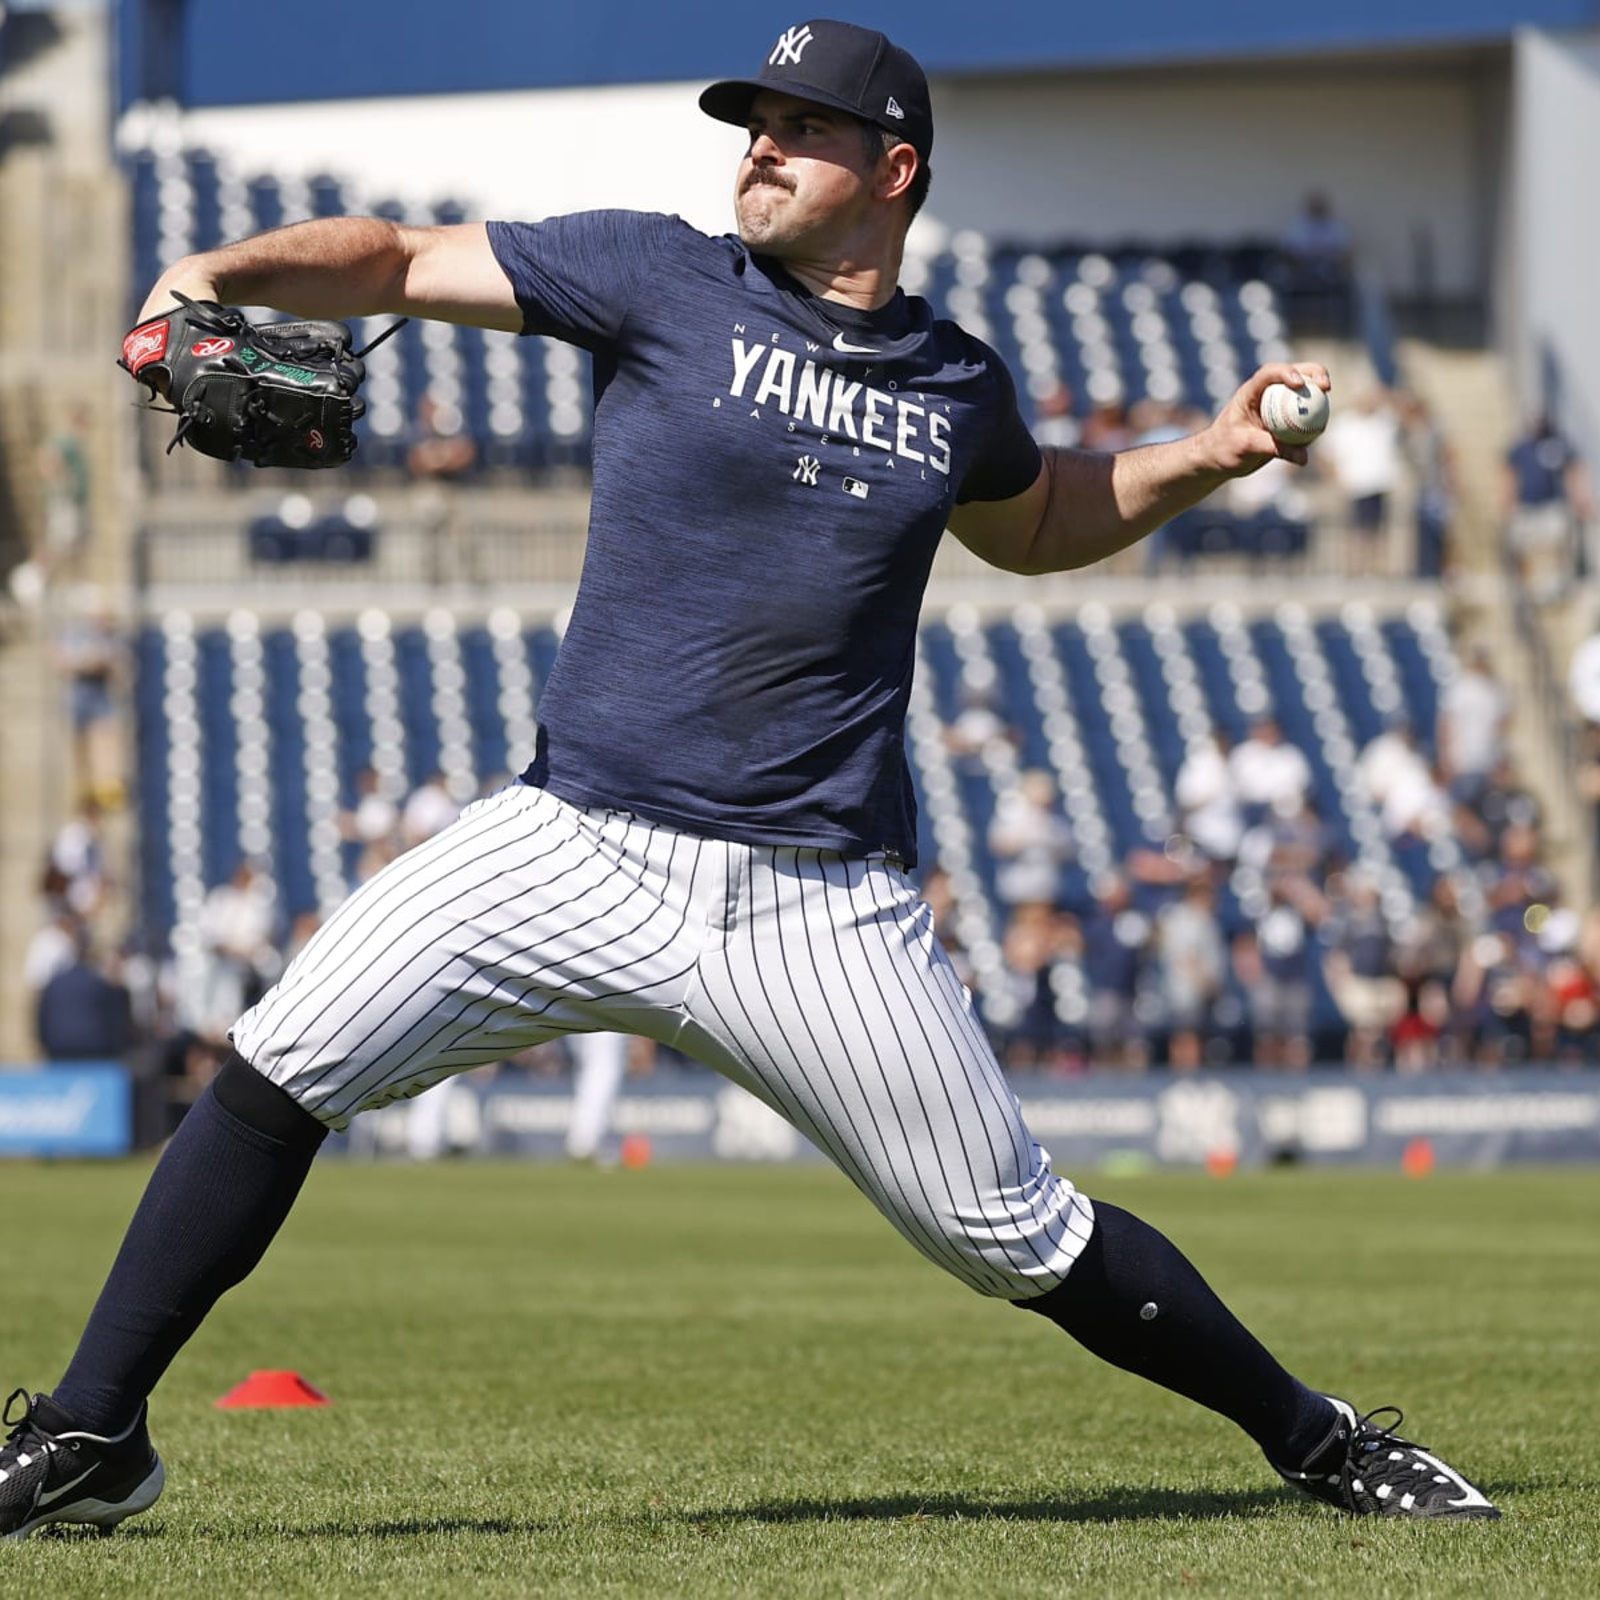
[600,1065]
[711,845]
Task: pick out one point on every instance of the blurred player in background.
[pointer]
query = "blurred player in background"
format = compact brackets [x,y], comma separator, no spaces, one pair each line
[600,1064]
[711,845]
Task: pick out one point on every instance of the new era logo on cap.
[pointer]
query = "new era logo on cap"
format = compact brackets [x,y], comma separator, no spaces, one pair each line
[840,65]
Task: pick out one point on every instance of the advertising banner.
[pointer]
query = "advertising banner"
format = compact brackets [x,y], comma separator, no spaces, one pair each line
[1228,1118]
[82,1110]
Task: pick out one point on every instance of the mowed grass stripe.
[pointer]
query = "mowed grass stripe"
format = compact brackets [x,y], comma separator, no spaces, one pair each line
[738,1381]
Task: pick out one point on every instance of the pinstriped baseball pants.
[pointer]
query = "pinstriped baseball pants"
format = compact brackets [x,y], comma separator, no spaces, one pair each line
[812,980]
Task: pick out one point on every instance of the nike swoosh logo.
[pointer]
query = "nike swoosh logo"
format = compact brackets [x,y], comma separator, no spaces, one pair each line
[1470,1497]
[844,347]
[60,1490]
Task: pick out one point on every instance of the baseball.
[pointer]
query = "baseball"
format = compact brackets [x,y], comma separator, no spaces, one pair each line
[1295,416]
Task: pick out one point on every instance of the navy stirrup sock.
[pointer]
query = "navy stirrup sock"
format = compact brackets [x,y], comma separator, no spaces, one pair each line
[1133,1299]
[218,1195]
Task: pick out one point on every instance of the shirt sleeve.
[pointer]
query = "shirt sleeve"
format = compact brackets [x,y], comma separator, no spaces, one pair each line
[575,277]
[1010,459]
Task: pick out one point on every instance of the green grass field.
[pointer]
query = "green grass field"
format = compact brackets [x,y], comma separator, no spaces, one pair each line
[685,1381]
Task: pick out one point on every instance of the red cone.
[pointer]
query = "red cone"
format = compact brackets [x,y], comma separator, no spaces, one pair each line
[273,1389]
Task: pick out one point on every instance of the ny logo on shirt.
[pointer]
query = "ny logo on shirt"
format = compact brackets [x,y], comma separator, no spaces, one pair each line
[790,47]
[806,469]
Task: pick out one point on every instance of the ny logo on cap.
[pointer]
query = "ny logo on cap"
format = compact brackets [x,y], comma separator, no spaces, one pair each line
[790,47]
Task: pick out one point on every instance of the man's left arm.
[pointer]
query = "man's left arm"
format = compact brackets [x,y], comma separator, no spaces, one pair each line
[1084,505]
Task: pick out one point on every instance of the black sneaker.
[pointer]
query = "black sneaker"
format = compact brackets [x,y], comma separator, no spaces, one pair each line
[51,1471]
[1369,1470]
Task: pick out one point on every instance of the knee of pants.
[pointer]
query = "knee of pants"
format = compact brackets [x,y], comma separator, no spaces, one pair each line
[1010,1244]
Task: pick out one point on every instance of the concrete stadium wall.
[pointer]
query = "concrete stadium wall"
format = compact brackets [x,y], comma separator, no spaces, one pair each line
[1405,155]
[1550,313]
[1409,154]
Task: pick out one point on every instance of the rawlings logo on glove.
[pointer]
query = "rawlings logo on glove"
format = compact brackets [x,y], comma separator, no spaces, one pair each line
[277,394]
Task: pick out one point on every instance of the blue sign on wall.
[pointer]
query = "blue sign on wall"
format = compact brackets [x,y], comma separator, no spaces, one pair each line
[66,1111]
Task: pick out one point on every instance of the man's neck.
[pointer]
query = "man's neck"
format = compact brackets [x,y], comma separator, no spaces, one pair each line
[866,286]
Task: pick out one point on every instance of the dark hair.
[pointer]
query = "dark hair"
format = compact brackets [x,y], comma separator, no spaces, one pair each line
[877,142]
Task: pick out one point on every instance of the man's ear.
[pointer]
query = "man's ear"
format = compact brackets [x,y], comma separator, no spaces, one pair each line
[899,170]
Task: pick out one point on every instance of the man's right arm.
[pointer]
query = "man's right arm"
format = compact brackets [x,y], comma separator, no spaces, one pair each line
[342,267]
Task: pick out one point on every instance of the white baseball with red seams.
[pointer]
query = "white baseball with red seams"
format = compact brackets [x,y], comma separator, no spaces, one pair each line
[1295,415]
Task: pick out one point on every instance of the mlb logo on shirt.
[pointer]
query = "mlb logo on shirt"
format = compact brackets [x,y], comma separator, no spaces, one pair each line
[855,487]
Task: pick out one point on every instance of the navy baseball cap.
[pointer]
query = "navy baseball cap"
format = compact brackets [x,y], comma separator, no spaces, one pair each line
[840,65]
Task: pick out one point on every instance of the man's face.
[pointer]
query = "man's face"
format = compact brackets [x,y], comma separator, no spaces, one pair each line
[805,183]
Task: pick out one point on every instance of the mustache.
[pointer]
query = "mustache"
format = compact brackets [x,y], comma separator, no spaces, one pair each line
[758,176]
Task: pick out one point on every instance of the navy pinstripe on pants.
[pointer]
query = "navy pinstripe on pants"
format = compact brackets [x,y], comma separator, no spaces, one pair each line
[813,980]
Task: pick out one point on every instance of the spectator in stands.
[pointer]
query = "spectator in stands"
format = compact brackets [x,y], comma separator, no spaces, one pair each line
[1432,461]
[370,826]
[978,733]
[1575,993]
[1318,268]
[1504,972]
[1471,728]
[89,655]
[62,462]
[1358,962]
[1502,802]
[83,1014]
[1267,768]
[1545,499]
[1291,840]
[1400,781]
[1192,962]
[1042,951]
[429,809]
[1055,423]
[1274,496]
[1207,796]
[1492,999]
[1427,957]
[1030,840]
[54,947]
[1587,779]
[1519,881]
[1117,940]
[1362,451]
[1583,677]
[1273,961]
[1566,1009]
[77,870]
[1107,427]
[441,449]
[237,922]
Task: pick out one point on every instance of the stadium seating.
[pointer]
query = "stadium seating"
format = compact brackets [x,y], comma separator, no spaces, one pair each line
[1178,325]
[251,735]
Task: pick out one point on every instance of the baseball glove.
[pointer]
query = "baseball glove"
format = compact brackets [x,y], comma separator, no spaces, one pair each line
[277,394]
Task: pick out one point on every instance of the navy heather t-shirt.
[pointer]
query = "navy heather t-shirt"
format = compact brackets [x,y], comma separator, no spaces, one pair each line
[772,474]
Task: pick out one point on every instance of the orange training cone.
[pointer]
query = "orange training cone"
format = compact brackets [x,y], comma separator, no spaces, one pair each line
[262,1390]
[1416,1160]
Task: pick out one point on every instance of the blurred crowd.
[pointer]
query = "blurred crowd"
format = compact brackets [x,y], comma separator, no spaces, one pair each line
[1241,932]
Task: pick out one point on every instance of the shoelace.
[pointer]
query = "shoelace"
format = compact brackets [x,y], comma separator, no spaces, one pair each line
[1383,1431]
[1369,1435]
[24,1430]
